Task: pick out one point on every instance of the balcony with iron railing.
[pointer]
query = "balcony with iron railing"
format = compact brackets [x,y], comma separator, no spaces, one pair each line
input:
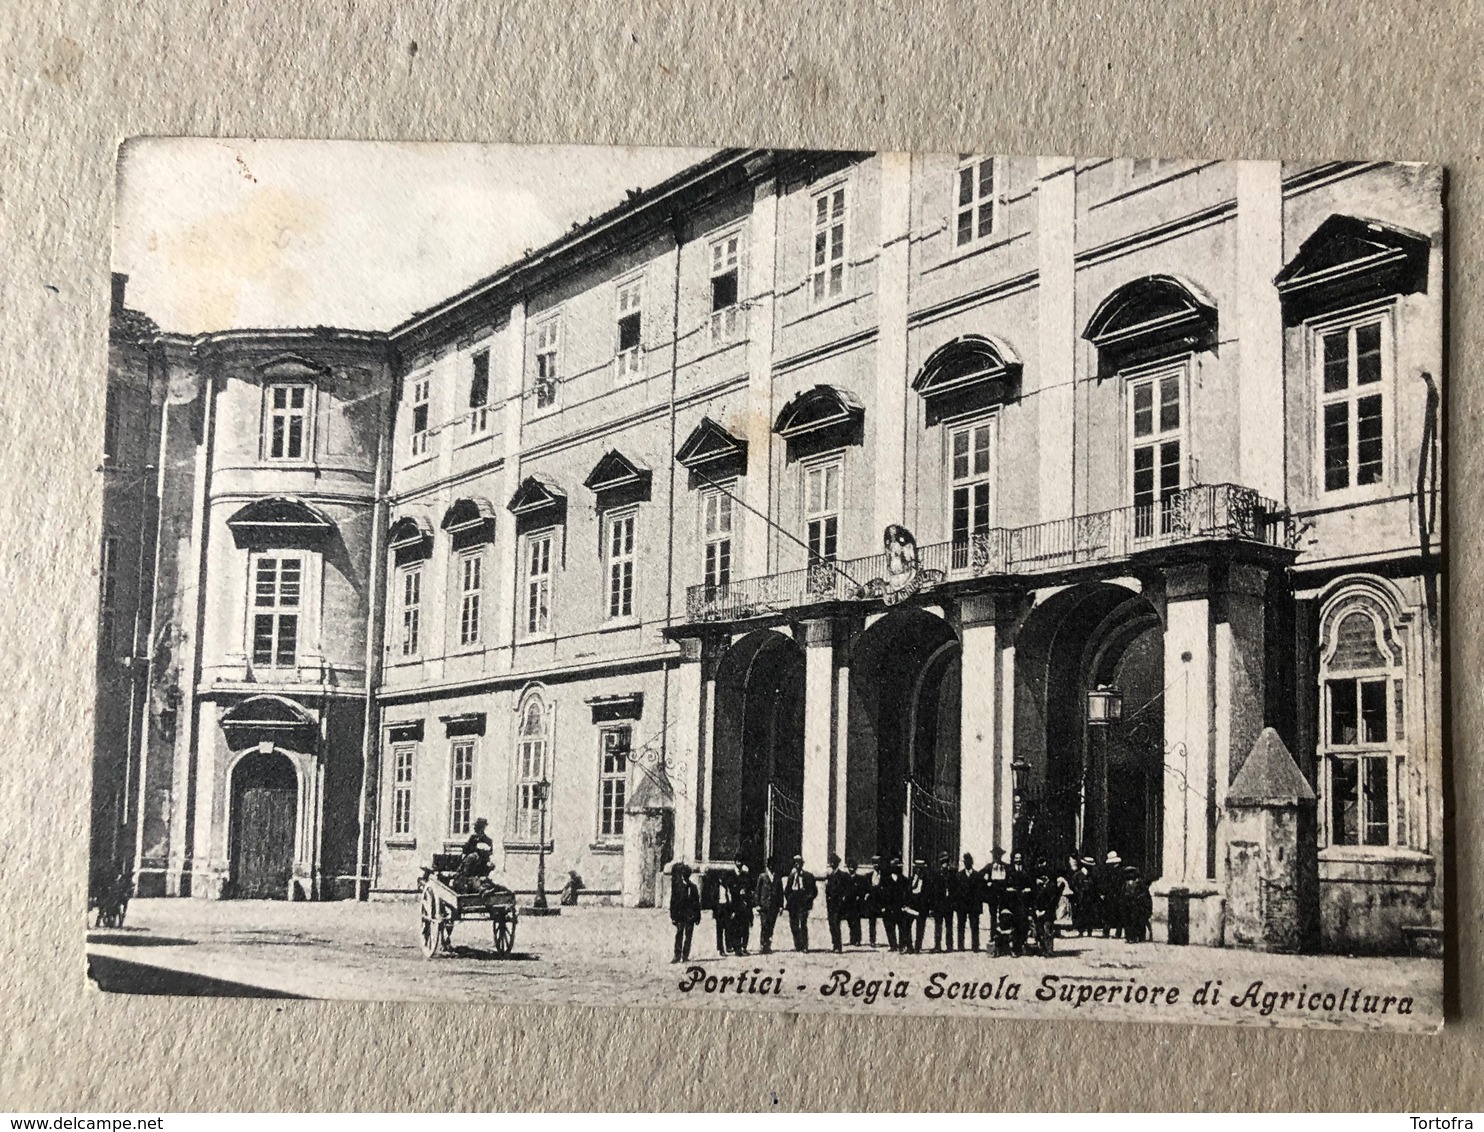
[1204,513]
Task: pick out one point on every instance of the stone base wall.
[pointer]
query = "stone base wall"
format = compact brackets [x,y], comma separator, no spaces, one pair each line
[1367,899]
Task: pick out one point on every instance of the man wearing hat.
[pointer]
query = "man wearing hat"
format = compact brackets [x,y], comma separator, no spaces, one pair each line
[769,894]
[872,894]
[996,878]
[967,899]
[1110,896]
[837,887]
[941,881]
[799,891]
[893,897]
[919,904]
[685,909]
[855,901]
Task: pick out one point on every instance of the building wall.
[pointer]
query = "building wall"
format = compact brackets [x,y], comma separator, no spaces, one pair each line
[1065,236]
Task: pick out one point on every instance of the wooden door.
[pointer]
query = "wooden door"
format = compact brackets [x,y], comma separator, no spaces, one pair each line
[263,833]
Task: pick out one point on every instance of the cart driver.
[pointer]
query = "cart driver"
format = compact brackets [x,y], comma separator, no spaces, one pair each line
[477,852]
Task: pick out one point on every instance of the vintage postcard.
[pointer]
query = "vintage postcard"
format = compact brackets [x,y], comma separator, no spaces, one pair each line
[747,579]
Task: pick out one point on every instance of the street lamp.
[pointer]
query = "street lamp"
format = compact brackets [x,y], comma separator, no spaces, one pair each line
[542,791]
[1104,705]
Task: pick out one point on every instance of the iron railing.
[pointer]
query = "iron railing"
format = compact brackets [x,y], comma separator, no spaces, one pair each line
[1201,513]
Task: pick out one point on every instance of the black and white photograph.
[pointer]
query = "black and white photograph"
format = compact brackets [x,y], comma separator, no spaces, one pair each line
[971,585]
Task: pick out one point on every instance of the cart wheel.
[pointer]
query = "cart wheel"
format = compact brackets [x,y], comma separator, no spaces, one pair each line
[504,935]
[432,927]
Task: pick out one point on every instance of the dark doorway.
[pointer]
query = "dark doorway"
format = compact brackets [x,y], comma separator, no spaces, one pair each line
[1134,747]
[902,785]
[757,784]
[264,801]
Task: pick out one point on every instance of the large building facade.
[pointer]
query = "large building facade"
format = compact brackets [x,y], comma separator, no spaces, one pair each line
[879,504]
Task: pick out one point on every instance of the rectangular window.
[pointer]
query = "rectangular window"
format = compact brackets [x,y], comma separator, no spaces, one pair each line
[822,510]
[548,358]
[613,781]
[530,775]
[461,789]
[827,270]
[471,591]
[629,354]
[969,452]
[479,393]
[412,603]
[402,762]
[974,199]
[1358,735]
[277,589]
[716,509]
[1353,389]
[107,592]
[1156,421]
[421,391]
[538,583]
[725,286]
[619,549]
[288,422]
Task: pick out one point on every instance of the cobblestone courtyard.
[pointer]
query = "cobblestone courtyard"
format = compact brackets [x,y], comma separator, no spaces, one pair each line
[614,956]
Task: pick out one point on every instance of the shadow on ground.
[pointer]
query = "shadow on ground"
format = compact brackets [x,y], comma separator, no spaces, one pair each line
[119,976]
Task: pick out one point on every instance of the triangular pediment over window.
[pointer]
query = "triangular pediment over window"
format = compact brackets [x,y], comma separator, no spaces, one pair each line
[536,494]
[709,443]
[278,521]
[817,409]
[1349,260]
[970,372]
[616,472]
[1149,318]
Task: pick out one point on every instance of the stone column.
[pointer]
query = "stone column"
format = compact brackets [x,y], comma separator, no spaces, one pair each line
[209,850]
[1240,669]
[692,705]
[1187,903]
[819,739]
[986,731]
[890,412]
[1214,706]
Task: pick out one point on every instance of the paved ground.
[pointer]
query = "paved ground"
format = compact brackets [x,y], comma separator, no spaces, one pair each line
[606,956]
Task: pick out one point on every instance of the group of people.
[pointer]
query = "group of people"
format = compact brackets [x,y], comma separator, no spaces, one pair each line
[1025,904]
[734,898]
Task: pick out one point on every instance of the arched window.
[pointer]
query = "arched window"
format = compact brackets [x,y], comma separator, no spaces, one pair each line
[1363,723]
[532,753]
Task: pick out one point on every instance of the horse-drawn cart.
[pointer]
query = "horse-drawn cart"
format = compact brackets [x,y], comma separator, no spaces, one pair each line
[448,898]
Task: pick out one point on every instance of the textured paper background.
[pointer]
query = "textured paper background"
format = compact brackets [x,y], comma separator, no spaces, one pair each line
[1188,78]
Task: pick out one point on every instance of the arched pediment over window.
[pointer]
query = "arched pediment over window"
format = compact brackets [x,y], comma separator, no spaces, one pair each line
[291,367]
[968,373]
[410,532]
[267,712]
[1148,318]
[1349,260]
[279,521]
[469,522]
[821,411]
